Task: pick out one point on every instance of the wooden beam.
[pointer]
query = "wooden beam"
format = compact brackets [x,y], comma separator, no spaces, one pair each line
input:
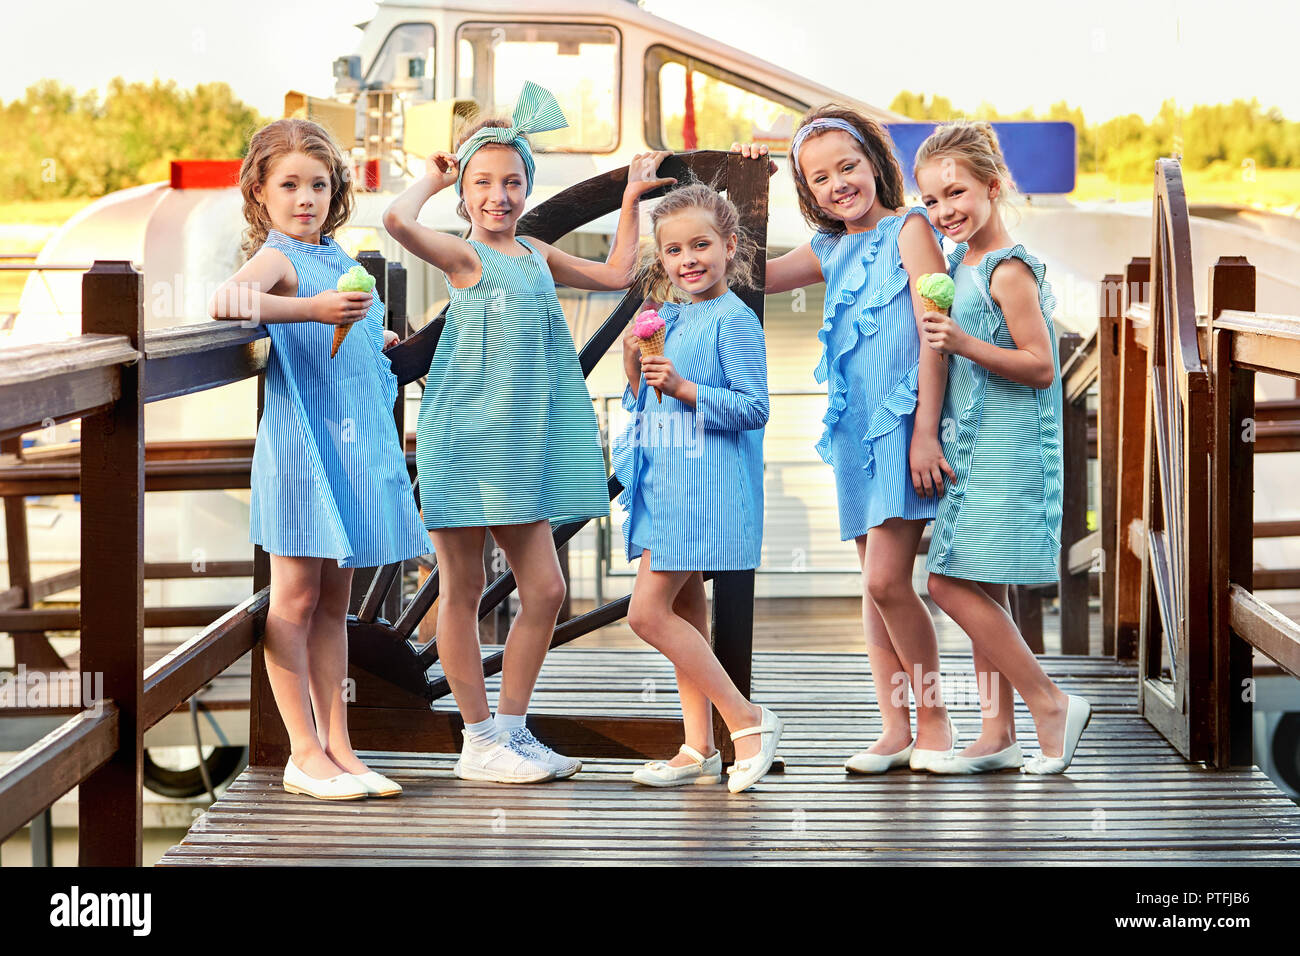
[59,761]
[179,675]
[1263,627]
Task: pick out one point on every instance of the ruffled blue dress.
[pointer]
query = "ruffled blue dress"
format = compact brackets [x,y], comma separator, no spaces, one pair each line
[870,354]
[693,477]
[329,475]
[1000,522]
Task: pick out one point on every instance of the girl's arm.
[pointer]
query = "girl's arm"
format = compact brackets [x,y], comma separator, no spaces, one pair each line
[741,404]
[451,254]
[619,270]
[921,254]
[261,292]
[1016,293]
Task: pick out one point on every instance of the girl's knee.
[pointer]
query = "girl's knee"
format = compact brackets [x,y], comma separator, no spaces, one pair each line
[941,590]
[545,597]
[298,604]
[887,587]
[463,590]
[644,618]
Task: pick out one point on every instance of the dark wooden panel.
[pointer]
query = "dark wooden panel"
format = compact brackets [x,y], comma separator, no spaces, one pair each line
[193,358]
[1263,627]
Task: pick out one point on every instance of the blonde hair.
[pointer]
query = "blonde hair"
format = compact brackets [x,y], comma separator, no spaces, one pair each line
[876,145]
[976,146]
[743,267]
[278,139]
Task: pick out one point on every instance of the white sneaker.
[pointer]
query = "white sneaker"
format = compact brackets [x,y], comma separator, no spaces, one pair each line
[505,761]
[563,766]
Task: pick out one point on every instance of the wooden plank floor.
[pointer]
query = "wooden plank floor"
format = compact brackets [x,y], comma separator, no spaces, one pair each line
[1129,798]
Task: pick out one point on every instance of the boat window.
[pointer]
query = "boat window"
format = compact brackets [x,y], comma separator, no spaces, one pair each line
[415,40]
[578,63]
[692,104]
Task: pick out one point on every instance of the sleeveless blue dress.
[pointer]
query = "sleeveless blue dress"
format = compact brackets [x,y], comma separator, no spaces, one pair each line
[693,477]
[1000,522]
[870,353]
[329,475]
[507,432]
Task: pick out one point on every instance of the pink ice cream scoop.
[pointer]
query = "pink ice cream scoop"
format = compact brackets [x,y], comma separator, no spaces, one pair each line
[647,324]
[649,327]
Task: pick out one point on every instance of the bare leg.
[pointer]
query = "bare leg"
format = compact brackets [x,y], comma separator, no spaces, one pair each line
[997,699]
[651,616]
[530,549]
[460,586]
[891,554]
[692,606]
[992,630]
[328,664]
[887,673]
[295,589]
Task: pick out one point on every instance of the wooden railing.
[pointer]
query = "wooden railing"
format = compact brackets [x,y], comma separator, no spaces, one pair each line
[105,377]
[1177,394]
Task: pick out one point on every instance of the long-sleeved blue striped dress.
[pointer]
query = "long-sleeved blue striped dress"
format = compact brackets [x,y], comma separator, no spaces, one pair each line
[870,350]
[1000,522]
[507,433]
[693,477]
[329,476]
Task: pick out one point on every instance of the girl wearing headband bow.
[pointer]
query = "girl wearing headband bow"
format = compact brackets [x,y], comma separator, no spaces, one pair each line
[507,437]
[885,396]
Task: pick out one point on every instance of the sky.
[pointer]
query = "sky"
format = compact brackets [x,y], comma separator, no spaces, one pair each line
[1107,56]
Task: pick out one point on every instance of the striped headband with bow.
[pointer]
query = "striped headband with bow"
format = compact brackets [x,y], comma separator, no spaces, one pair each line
[536,111]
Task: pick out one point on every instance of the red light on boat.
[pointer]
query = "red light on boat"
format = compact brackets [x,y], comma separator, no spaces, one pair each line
[205,173]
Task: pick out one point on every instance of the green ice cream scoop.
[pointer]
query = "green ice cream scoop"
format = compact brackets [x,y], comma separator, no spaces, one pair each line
[356,279]
[937,287]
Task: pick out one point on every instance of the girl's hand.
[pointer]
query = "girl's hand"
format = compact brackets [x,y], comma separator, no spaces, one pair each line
[339,308]
[631,346]
[942,334]
[929,466]
[659,373]
[391,338]
[754,151]
[643,173]
[440,169]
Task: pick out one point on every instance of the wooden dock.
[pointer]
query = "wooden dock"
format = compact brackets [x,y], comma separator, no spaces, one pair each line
[1129,797]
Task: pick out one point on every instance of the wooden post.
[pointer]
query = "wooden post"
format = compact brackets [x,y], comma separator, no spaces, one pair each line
[1074,513]
[1027,612]
[1109,326]
[268,741]
[733,641]
[1232,286]
[112,599]
[1129,447]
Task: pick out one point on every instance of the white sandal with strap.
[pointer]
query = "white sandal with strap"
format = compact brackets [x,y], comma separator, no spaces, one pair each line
[660,773]
[746,773]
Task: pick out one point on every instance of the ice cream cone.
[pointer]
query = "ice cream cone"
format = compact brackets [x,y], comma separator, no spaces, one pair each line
[932,306]
[655,346]
[340,333]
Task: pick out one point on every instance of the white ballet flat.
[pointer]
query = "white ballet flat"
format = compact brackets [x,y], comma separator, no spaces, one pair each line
[1077,716]
[343,786]
[743,774]
[1009,758]
[921,759]
[864,762]
[377,785]
[701,770]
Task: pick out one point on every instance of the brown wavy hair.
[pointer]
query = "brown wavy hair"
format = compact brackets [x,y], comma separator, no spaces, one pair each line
[879,151]
[742,270]
[279,139]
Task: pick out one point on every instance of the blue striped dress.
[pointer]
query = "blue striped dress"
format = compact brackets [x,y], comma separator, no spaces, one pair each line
[693,477]
[507,433]
[870,353]
[329,475]
[1000,522]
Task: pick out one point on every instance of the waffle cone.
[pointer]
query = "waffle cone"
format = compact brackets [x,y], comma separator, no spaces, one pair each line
[340,333]
[932,306]
[655,346]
